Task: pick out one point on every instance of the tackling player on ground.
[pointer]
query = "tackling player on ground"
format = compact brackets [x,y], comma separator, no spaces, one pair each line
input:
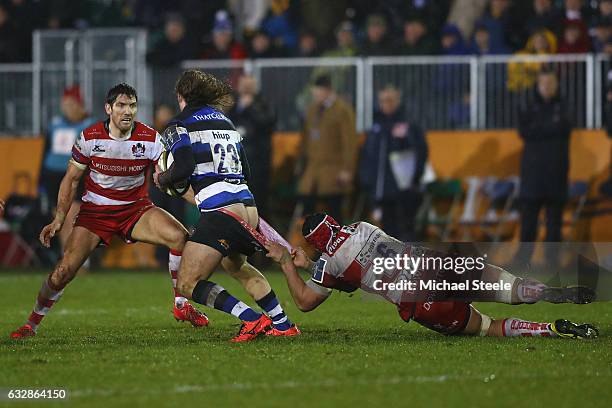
[208,152]
[346,264]
[115,156]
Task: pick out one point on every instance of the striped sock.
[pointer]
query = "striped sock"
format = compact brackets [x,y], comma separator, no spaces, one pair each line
[47,297]
[215,296]
[529,290]
[270,304]
[513,327]
[174,260]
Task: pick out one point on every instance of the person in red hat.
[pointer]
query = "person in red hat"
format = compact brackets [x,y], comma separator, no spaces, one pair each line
[61,135]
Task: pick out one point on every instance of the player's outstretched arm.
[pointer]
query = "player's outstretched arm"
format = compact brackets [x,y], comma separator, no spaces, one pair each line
[65,197]
[305,298]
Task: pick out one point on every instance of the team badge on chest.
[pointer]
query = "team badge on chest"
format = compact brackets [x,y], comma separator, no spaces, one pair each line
[138,150]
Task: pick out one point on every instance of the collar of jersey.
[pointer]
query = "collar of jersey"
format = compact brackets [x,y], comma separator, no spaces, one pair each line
[108,132]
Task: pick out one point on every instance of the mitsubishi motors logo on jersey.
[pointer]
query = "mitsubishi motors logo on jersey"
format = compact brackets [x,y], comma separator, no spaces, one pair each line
[138,150]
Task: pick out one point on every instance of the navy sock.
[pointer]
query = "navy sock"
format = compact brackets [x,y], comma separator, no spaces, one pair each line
[270,304]
[215,296]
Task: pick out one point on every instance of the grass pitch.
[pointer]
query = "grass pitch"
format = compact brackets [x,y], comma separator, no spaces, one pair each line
[112,341]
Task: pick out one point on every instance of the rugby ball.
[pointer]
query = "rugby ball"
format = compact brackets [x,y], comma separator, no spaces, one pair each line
[179,188]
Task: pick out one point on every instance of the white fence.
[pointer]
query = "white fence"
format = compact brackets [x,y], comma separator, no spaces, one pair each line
[439,92]
[16,93]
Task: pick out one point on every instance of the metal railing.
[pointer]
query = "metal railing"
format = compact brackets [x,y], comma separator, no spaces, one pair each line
[17,94]
[95,59]
[440,92]
[464,92]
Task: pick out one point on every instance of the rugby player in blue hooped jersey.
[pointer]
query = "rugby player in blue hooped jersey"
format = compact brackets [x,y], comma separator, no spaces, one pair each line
[208,152]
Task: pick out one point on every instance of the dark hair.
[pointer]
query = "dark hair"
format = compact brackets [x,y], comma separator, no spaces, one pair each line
[200,88]
[311,221]
[323,80]
[120,89]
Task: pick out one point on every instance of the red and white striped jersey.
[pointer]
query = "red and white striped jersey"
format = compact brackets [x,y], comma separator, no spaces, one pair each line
[117,168]
[348,263]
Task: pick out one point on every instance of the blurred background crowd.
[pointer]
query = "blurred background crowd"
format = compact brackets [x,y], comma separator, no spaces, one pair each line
[233,29]
[317,142]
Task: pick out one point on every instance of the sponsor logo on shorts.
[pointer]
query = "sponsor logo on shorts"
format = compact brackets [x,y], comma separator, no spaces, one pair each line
[224,244]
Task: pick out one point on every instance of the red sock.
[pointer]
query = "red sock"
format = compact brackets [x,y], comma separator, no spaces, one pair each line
[530,290]
[47,297]
[513,327]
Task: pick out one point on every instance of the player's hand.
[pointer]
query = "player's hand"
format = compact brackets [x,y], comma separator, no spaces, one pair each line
[300,259]
[277,252]
[49,232]
[158,171]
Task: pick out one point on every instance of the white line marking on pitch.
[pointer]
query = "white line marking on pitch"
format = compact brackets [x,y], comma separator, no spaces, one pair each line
[186,389]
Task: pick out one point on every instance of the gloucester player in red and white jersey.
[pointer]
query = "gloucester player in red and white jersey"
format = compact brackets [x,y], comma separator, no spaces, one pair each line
[114,156]
[347,263]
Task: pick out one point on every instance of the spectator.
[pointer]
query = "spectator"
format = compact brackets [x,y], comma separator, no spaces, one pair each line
[163,114]
[376,42]
[574,40]
[251,13]
[8,51]
[392,166]
[320,16]
[605,8]
[175,46]
[602,33]
[545,129]
[62,13]
[147,13]
[522,74]
[433,13]
[25,18]
[416,39]
[575,10]
[545,16]
[255,120]
[496,20]
[61,136]
[345,42]
[261,46]
[607,49]
[223,44]
[481,43]
[280,25]
[464,14]
[329,150]
[308,46]
[452,41]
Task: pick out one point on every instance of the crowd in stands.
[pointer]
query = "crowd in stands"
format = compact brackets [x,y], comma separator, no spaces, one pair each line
[238,29]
